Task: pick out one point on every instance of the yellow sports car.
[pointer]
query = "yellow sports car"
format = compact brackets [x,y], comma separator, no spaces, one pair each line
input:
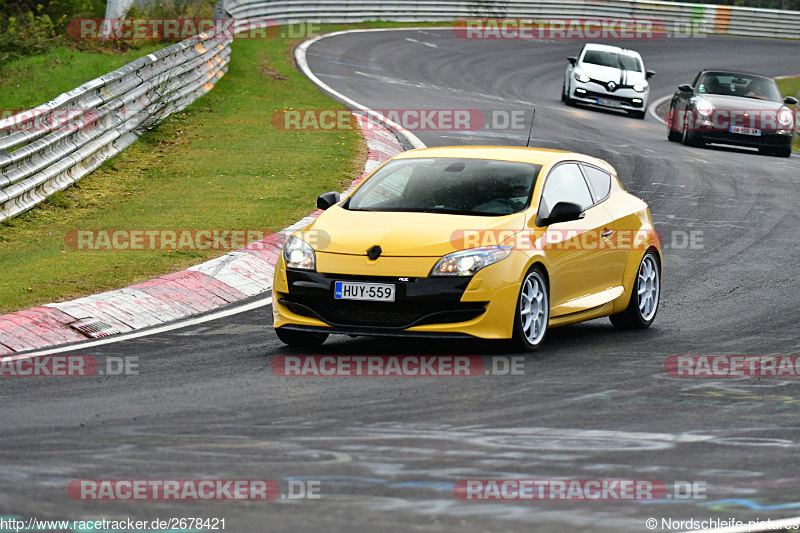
[471,241]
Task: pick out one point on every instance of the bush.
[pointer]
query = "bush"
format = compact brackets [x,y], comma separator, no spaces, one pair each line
[29,27]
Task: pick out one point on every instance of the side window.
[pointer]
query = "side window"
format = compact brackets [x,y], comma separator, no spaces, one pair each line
[565,183]
[599,180]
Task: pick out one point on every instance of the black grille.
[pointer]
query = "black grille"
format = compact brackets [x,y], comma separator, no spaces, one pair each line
[383,314]
[593,95]
[418,301]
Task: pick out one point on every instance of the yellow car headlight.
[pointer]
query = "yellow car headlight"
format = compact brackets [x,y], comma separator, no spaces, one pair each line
[468,262]
[298,254]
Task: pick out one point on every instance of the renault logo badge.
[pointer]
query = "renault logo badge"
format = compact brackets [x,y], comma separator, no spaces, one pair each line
[374,252]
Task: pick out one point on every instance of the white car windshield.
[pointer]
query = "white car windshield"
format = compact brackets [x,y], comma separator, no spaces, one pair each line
[458,186]
[612,59]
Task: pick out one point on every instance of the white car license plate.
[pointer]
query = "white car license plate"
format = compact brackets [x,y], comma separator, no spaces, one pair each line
[608,103]
[353,290]
[746,131]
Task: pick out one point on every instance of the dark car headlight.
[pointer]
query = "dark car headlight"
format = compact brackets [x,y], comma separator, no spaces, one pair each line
[785,117]
[704,107]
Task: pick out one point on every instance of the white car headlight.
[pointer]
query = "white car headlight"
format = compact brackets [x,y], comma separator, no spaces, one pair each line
[298,254]
[581,77]
[785,117]
[639,87]
[468,262]
[704,107]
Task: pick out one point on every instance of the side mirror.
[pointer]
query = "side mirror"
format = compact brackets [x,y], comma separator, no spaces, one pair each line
[327,199]
[563,212]
[649,74]
[686,88]
[790,100]
[572,59]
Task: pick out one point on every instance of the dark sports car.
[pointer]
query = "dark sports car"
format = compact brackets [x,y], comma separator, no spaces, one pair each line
[732,108]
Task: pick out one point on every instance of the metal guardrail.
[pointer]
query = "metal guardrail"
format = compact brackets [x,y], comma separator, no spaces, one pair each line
[48,148]
[677,17]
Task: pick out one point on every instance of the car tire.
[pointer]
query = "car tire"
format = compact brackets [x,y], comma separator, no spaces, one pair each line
[645,296]
[301,339]
[565,96]
[783,151]
[673,134]
[690,138]
[637,114]
[533,312]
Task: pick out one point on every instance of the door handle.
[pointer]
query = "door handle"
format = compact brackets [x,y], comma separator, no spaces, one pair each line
[607,233]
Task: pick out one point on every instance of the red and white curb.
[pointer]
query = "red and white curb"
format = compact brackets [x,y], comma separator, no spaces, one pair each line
[232,277]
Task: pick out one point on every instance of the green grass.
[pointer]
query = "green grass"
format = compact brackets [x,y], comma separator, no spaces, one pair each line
[790,87]
[34,80]
[219,164]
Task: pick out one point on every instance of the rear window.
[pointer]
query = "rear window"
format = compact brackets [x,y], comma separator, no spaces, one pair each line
[599,180]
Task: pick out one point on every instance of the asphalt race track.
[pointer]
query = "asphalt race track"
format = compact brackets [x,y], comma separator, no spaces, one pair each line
[593,403]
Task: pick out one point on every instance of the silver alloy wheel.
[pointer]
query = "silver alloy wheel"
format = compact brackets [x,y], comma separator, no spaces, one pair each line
[533,308]
[648,287]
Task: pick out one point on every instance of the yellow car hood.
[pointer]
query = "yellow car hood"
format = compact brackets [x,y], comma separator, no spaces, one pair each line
[341,231]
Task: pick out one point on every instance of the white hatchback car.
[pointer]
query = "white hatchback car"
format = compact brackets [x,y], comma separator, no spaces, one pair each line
[608,76]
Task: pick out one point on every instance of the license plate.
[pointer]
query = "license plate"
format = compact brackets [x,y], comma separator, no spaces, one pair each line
[353,290]
[746,131]
[608,103]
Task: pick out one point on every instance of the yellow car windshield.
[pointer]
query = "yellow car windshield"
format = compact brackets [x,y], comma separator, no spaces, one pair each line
[459,186]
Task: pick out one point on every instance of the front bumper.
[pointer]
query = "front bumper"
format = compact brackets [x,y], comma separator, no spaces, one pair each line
[418,301]
[595,94]
[767,139]
[482,306]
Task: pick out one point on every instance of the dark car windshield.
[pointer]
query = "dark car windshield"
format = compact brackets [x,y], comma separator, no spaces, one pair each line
[448,185]
[746,86]
[612,59]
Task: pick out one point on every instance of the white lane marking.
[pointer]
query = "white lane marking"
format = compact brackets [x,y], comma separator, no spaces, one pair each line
[143,333]
[301,58]
[657,103]
[429,45]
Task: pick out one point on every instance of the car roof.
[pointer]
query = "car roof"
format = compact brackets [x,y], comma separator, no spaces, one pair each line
[610,48]
[521,154]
